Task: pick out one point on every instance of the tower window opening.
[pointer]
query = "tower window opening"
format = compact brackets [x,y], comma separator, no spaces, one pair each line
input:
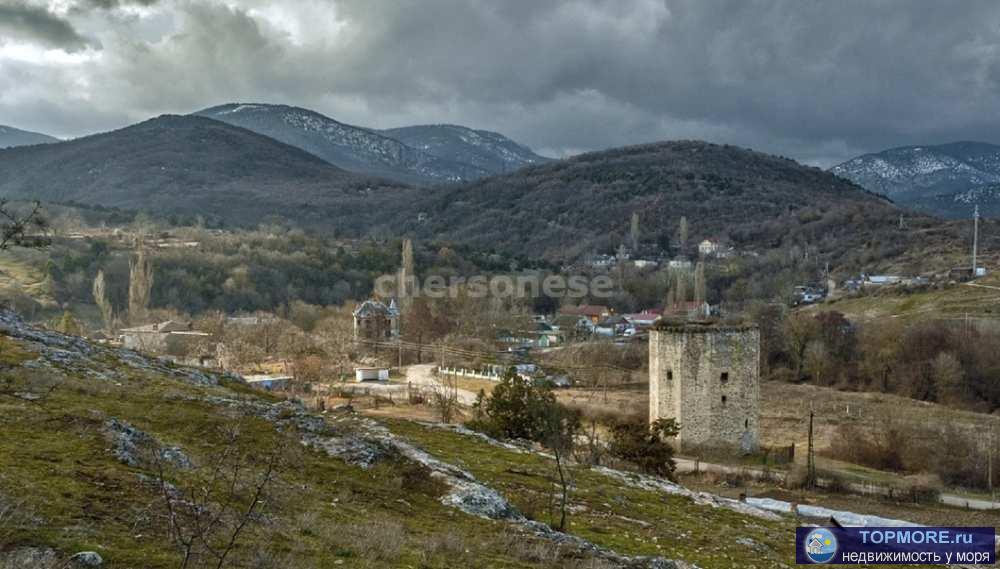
[724,377]
[723,399]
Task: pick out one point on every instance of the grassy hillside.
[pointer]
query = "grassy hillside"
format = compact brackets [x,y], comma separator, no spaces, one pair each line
[978,300]
[102,449]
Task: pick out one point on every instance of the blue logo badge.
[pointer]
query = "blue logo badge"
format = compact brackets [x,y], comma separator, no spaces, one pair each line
[820,545]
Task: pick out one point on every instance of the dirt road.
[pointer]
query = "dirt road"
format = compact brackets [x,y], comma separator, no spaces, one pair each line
[422,375]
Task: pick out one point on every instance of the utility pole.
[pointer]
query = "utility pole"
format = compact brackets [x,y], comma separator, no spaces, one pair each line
[989,464]
[399,341]
[810,456]
[975,238]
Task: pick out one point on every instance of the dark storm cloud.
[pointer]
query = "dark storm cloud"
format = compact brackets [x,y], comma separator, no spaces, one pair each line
[798,75]
[818,81]
[111,4]
[21,20]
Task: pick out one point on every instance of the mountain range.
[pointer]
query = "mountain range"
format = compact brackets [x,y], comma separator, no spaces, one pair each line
[188,165]
[11,137]
[417,155]
[946,179]
[560,211]
[581,205]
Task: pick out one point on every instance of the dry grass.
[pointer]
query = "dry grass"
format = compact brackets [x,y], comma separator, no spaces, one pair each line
[951,301]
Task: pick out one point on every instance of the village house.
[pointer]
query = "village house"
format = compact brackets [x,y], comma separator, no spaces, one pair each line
[547,335]
[593,312]
[709,247]
[645,264]
[680,263]
[612,326]
[172,340]
[259,319]
[373,320]
[644,319]
[362,374]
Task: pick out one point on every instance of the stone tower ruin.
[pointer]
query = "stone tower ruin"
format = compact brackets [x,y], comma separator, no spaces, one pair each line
[707,377]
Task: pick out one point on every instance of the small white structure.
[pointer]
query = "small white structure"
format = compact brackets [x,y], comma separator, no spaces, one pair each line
[709,247]
[268,382]
[371,374]
[679,264]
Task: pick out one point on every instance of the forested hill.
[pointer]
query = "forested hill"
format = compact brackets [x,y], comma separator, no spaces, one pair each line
[584,204]
[560,211]
[190,165]
[10,137]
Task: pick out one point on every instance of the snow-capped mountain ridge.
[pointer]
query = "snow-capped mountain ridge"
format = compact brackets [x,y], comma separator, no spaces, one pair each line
[922,175]
[380,153]
[488,150]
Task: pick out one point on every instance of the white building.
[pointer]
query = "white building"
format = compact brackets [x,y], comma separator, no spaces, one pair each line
[709,248]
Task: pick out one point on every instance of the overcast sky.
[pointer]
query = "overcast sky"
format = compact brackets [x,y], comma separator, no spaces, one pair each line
[816,81]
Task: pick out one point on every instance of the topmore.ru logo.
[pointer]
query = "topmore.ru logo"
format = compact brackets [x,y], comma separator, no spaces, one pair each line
[820,545]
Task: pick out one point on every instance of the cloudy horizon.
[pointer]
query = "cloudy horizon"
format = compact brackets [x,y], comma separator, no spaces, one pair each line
[818,82]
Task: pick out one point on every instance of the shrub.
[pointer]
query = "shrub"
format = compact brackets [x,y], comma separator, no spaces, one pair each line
[923,488]
[882,449]
[418,478]
[797,477]
[516,409]
[644,446]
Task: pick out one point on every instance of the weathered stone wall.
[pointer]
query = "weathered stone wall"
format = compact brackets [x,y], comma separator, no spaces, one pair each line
[708,378]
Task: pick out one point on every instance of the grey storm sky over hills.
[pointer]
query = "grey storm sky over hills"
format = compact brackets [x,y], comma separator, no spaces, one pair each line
[816,81]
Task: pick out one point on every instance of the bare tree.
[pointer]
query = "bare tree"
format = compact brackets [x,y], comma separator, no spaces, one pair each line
[634,230]
[816,360]
[140,285]
[22,230]
[559,428]
[102,301]
[800,330]
[207,513]
[948,378]
[699,282]
[444,397]
[680,291]
[406,273]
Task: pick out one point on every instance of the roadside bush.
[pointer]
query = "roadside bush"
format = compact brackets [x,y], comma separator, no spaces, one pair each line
[923,488]
[881,449]
[945,455]
[796,478]
[833,482]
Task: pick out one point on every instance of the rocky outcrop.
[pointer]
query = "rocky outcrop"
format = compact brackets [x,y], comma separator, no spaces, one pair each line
[86,559]
[29,558]
[137,448]
[72,354]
